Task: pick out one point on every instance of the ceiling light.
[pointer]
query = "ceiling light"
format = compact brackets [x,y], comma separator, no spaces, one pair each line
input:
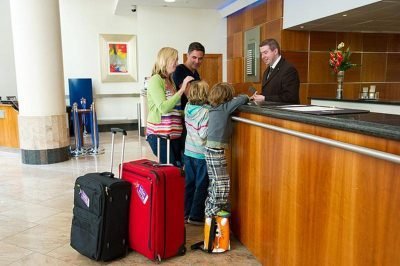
[301,27]
[344,15]
[169,1]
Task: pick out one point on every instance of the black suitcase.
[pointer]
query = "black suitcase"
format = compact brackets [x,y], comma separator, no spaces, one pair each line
[100,216]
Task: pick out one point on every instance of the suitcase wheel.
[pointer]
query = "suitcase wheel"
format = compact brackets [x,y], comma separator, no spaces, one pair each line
[182,251]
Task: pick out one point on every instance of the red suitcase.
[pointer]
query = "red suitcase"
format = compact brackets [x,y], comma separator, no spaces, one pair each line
[156,218]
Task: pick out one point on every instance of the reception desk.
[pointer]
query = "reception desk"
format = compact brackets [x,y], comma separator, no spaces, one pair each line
[316,190]
[8,126]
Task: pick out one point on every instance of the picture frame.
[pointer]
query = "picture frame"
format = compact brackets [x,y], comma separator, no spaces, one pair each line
[118,59]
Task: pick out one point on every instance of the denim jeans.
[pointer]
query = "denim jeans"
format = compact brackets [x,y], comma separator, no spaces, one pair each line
[175,154]
[196,185]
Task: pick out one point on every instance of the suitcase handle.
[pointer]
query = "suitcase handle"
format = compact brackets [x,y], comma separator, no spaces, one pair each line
[163,136]
[114,131]
[107,174]
[168,138]
[153,164]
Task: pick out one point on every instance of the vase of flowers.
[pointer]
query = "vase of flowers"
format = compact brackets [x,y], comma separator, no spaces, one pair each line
[339,90]
[339,61]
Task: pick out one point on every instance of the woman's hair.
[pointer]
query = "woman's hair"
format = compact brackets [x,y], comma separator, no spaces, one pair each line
[198,92]
[164,56]
[220,93]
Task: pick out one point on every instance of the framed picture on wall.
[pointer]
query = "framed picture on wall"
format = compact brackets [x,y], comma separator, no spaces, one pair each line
[118,59]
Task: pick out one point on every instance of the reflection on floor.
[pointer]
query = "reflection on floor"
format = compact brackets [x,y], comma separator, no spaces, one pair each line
[36,210]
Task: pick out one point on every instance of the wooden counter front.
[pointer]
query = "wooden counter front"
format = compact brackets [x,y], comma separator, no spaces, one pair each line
[9,126]
[299,202]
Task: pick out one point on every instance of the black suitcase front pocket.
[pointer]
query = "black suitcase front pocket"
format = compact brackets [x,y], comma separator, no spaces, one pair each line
[86,233]
[89,198]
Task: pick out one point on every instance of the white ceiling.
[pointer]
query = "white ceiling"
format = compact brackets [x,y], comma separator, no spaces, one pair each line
[383,16]
[124,7]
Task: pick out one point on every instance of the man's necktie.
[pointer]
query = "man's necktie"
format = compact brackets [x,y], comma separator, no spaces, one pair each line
[269,72]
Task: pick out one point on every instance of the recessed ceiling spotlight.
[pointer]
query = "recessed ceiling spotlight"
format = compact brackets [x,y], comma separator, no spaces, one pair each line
[169,1]
[344,15]
[301,27]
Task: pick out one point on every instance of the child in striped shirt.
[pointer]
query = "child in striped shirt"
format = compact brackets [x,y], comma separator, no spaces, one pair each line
[196,178]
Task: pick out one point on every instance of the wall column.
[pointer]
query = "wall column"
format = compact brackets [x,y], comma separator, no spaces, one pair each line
[43,127]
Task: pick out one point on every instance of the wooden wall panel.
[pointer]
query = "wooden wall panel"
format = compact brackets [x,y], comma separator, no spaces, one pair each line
[274,10]
[322,90]
[354,40]
[271,30]
[211,69]
[393,66]
[238,70]
[247,18]
[303,93]
[394,43]
[234,23]
[375,42]
[294,40]
[389,90]
[351,90]
[320,72]
[259,12]
[238,44]
[229,47]
[373,67]
[300,61]
[230,70]
[322,41]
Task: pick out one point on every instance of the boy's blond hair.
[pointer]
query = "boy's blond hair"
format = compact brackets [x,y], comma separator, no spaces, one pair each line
[198,92]
[220,93]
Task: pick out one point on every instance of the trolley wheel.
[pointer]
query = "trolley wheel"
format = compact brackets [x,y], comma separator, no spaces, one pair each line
[182,251]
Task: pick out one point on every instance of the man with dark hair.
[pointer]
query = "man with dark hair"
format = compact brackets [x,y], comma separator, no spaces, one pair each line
[194,59]
[280,81]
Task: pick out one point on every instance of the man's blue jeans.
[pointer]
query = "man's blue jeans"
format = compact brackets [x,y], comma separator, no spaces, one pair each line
[196,185]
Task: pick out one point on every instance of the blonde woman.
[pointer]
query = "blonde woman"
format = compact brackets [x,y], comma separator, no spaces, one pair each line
[165,113]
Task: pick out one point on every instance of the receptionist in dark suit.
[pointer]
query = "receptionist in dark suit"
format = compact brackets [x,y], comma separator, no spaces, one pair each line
[280,81]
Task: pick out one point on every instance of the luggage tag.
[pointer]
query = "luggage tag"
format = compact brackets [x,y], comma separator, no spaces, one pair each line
[84,197]
[141,192]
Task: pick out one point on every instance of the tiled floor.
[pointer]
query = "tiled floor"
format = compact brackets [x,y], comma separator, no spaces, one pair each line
[36,210]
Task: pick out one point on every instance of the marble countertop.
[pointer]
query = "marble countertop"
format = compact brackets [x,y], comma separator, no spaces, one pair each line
[374,124]
[372,101]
